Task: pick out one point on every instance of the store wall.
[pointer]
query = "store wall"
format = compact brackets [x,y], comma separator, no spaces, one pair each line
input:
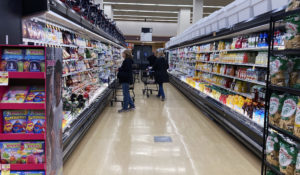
[159,28]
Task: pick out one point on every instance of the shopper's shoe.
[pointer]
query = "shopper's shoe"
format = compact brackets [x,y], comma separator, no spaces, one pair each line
[123,110]
[132,108]
[158,96]
[163,99]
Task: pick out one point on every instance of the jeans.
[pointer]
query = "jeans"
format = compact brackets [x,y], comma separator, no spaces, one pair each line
[161,91]
[126,96]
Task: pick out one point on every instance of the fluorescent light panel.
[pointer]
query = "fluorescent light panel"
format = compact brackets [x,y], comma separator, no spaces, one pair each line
[150,11]
[138,16]
[161,5]
[136,19]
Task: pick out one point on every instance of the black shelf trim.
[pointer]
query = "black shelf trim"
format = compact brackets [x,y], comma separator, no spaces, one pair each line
[278,17]
[274,170]
[285,89]
[286,52]
[285,133]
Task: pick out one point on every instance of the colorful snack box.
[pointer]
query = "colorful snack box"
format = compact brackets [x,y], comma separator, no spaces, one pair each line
[10,152]
[15,121]
[16,94]
[12,60]
[33,152]
[36,121]
[34,173]
[34,60]
[36,95]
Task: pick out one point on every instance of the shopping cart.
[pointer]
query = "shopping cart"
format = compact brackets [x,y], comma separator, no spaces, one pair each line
[117,93]
[149,82]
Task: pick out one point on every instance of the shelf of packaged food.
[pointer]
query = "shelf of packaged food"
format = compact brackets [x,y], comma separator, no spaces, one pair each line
[77,72]
[235,78]
[26,75]
[258,49]
[284,132]
[25,136]
[293,91]
[230,90]
[36,106]
[27,167]
[243,128]
[274,170]
[84,86]
[38,42]
[286,52]
[180,71]
[235,64]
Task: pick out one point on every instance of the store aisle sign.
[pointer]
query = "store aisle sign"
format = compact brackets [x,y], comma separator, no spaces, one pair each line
[146,34]
[3,78]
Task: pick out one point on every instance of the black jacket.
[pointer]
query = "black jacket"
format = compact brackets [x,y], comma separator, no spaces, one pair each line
[152,60]
[125,74]
[160,67]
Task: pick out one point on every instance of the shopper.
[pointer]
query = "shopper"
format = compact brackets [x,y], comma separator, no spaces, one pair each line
[125,76]
[161,75]
[151,59]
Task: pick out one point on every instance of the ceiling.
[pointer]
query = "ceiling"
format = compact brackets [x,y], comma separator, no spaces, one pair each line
[158,10]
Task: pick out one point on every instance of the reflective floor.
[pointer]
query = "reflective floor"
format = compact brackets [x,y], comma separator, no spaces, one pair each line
[123,144]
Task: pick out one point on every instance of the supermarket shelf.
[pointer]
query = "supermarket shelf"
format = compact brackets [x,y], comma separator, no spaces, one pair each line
[285,89]
[42,43]
[37,106]
[230,90]
[286,52]
[244,129]
[25,136]
[235,64]
[26,75]
[282,131]
[236,50]
[77,72]
[27,167]
[235,78]
[274,170]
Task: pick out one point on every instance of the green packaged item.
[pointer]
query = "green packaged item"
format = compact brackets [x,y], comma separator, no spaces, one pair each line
[287,158]
[292,36]
[294,81]
[279,71]
[276,103]
[272,149]
[297,168]
[288,113]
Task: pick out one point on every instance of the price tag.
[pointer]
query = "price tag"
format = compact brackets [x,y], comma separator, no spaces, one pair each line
[4,78]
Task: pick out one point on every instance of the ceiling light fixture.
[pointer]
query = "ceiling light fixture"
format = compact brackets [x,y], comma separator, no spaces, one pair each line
[148,20]
[138,16]
[161,5]
[144,11]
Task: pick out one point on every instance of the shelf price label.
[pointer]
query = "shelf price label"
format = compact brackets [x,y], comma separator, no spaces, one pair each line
[4,78]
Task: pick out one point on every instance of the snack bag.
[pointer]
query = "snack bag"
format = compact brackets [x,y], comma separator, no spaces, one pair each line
[12,60]
[272,149]
[297,121]
[15,95]
[293,5]
[14,121]
[36,122]
[34,152]
[34,173]
[288,113]
[297,169]
[278,71]
[276,103]
[292,26]
[295,75]
[10,152]
[36,95]
[287,158]
[34,60]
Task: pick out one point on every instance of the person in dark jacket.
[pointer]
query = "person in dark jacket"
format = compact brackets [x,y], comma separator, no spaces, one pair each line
[161,75]
[125,77]
[151,59]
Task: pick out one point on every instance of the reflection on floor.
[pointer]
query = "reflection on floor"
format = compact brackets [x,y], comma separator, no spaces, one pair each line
[123,144]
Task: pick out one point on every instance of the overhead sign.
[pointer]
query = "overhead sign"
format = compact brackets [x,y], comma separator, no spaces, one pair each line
[146,34]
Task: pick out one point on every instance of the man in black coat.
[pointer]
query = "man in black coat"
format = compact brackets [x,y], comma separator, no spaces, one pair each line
[161,75]
[151,59]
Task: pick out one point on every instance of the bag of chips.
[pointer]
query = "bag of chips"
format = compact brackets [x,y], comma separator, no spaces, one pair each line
[297,121]
[288,113]
[14,121]
[287,158]
[297,169]
[276,103]
[36,122]
[272,149]
[278,71]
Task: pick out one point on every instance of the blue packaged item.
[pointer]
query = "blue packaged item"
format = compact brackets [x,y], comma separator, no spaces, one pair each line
[12,60]
[34,60]
[36,122]
[34,173]
[16,173]
[36,95]
[14,121]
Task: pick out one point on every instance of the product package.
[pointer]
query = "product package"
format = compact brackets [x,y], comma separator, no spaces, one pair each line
[10,152]
[36,121]
[295,75]
[292,39]
[272,149]
[288,113]
[16,173]
[278,71]
[34,173]
[34,60]
[12,60]
[297,121]
[276,103]
[14,121]
[34,152]
[15,94]
[36,95]
[297,168]
[287,158]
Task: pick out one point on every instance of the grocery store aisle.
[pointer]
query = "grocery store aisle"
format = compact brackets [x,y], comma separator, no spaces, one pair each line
[123,144]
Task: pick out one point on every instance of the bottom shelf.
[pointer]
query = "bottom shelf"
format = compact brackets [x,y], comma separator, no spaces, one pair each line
[274,170]
[27,167]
